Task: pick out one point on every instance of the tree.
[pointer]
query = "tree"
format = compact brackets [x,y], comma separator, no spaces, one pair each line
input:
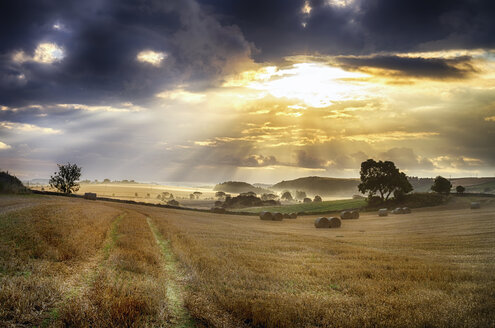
[441,185]
[219,194]
[460,189]
[265,197]
[317,199]
[106,181]
[65,180]
[197,194]
[286,196]
[307,200]
[300,194]
[382,178]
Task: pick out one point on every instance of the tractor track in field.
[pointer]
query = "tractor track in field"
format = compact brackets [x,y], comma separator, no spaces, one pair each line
[174,288]
[85,274]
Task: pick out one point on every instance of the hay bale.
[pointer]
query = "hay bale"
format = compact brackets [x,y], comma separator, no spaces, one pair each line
[322,222]
[335,222]
[475,205]
[90,196]
[293,215]
[346,215]
[406,210]
[355,215]
[398,210]
[277,217]
[219,210]
[286,216]
[383,212]
[267,216]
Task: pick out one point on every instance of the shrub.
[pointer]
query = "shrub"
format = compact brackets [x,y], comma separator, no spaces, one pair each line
[11,184]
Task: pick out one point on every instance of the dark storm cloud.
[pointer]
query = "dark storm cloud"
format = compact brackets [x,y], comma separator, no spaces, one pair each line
[101,40]
[361,27]
[437,68]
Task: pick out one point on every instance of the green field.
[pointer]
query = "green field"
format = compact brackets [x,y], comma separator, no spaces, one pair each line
[323,207]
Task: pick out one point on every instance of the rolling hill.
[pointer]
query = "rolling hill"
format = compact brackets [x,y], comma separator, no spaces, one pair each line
[320,186]
[237,187]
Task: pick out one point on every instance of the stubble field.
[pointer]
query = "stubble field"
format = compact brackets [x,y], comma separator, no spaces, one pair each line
[73,262]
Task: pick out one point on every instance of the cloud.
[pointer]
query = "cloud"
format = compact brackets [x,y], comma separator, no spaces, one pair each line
[406,159]
[151,57]
[303,159]
[104,46]
[458,162]
[4,146]
[390,135]
[359,27]
[436,68]
[258,161]
[28,128]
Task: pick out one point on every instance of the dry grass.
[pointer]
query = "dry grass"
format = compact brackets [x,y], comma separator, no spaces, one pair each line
[40,248]
[428,269]
[129,288]
[65,263]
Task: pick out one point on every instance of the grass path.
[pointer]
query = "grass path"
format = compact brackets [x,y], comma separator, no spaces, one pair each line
[78,283]
[174,289]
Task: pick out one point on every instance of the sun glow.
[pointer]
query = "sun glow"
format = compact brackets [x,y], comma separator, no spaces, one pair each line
[314,84]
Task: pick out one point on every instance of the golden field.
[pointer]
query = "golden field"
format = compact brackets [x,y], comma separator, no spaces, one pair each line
[75,262]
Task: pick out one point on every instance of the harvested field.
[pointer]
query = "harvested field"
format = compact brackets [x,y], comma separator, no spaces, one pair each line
[432,268]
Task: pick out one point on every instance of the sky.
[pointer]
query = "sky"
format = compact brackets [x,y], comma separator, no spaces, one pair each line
[254,90]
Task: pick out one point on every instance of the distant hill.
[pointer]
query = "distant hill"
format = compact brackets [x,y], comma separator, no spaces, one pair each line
[320,186]
[421,184]
[237,187]
[471,184]
[37,181]
[10,184]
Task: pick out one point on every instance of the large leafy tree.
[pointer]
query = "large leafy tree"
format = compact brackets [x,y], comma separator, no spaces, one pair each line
[441,185]
[65,180]
[382,178]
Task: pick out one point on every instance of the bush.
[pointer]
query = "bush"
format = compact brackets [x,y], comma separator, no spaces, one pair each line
[10,184]
[242,201]
[374,201]
[410,200]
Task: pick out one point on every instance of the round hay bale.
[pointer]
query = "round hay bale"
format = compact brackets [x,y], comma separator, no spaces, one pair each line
[322,222]
[383,212]
[346,215]
[286,216]
[293,215]
[267,216]
[398,210]
[335,222]
[475,205]
[277,217]
[355,215]
[406,210]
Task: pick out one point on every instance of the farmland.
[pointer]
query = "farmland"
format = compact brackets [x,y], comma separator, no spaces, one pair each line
[315,207]
[67,261]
